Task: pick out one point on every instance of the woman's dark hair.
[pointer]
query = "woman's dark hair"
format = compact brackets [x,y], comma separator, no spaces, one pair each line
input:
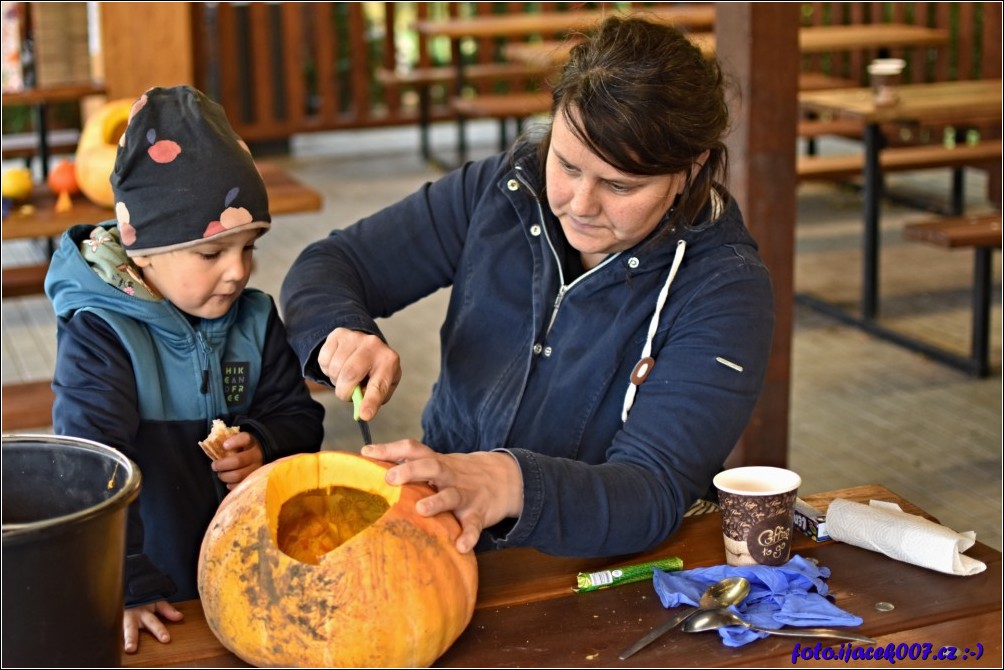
[645,99]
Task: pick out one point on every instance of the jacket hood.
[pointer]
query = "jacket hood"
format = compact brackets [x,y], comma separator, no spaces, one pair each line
[73,284]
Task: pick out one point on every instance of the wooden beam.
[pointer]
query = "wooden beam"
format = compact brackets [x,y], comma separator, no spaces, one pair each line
[758,49]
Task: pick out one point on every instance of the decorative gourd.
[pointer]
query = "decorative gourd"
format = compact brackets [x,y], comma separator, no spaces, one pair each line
[16,183]
[314,560]
[96,149]
[63,178]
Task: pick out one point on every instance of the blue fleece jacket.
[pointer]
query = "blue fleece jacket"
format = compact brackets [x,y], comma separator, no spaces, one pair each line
[537,361]
[142,377]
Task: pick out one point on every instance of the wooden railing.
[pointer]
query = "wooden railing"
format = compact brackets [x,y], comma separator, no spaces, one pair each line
[972,25]
[285,68]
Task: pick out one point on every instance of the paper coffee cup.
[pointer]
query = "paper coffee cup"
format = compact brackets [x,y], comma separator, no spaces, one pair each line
[885,76]
[757,505]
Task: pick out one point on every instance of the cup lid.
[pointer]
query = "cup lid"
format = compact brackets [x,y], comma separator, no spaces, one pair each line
[886,66]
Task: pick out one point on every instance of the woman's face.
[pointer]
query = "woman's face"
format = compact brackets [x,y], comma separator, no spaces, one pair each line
[206,279]
[601,209]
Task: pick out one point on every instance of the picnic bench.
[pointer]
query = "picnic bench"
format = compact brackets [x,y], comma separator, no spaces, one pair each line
[982,234]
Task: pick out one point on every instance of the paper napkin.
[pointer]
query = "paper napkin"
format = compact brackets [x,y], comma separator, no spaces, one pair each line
[884,527]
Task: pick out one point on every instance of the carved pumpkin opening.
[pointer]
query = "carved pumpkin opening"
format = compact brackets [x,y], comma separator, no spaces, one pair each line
[314,506]
[314,522]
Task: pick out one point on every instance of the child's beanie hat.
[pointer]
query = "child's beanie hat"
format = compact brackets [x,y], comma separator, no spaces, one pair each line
[182,175]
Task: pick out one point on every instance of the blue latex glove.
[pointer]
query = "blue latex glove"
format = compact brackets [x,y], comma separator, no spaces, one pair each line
[786,595]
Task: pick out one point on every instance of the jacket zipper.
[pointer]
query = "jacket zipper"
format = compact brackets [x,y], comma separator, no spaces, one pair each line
[564,288]
[204,388]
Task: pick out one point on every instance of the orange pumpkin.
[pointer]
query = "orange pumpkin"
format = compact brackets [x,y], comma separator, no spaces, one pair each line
[314,560]
[96,150]
[63,178]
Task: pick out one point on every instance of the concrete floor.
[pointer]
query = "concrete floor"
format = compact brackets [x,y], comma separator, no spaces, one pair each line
[862,410]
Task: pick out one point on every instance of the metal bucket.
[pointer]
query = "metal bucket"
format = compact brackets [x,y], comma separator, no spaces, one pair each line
[64,524]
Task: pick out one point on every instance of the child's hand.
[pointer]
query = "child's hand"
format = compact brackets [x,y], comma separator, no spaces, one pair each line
[148,616]
[244,456]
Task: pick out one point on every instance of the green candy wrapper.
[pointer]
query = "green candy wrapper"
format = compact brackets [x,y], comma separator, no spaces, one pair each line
[593,581]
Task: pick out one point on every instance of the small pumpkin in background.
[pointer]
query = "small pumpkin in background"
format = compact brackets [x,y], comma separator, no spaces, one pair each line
[96,150]
[63,178]
[315,561]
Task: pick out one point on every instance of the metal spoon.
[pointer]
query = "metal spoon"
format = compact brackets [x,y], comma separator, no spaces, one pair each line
[713,619]
[729,591]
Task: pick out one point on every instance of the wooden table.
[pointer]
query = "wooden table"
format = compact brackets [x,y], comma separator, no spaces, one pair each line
[40,97]
[522,24]
[698,15]
[957,103]
[527,615]
[811,40]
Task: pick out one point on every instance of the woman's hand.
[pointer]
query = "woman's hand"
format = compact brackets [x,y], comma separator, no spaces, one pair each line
[148,616]
[480,488]
[244,456]
[348,357]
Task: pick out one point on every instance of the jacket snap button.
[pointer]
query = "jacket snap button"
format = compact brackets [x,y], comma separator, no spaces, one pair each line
[537,349]
[547,352]
[633,262]
[641,370]
[512,185]
[535,230]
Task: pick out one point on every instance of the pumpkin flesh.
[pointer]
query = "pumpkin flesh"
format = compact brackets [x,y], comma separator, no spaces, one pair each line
[315,561]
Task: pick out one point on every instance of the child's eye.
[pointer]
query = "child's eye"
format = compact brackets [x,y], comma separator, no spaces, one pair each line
[209,256]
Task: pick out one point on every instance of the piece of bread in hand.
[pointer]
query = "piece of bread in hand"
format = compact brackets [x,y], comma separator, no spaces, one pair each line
[213,444]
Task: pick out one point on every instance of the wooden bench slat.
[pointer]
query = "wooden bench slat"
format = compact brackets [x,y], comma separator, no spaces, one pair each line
[510,105]
[983,230]
[447,74]
[29,404]
[819,127]
[899,159]
[20,280]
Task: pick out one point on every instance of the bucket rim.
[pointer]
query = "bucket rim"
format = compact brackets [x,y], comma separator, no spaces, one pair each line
[125,495]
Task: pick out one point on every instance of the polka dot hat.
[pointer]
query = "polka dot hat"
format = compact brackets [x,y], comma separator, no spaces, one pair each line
[182,175]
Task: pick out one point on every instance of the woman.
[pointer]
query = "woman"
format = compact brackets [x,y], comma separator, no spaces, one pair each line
[609,322]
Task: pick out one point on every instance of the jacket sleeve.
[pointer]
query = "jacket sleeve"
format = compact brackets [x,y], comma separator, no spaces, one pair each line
[96,400]
[283,415]
[382,263]
[687,417]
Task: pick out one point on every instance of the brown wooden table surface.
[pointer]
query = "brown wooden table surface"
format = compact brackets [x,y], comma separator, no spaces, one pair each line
[527,615]
[698,15]
[811,40]
[286,195]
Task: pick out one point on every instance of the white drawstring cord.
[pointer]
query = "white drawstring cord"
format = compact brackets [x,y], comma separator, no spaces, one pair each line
[644,367]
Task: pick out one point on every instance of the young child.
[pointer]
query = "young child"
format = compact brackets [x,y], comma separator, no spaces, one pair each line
[158,336]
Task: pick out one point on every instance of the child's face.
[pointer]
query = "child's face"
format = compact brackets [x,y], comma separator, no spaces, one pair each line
[206,279]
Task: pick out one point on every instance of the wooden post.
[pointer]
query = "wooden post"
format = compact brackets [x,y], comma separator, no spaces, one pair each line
[146,44]
[758,49]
